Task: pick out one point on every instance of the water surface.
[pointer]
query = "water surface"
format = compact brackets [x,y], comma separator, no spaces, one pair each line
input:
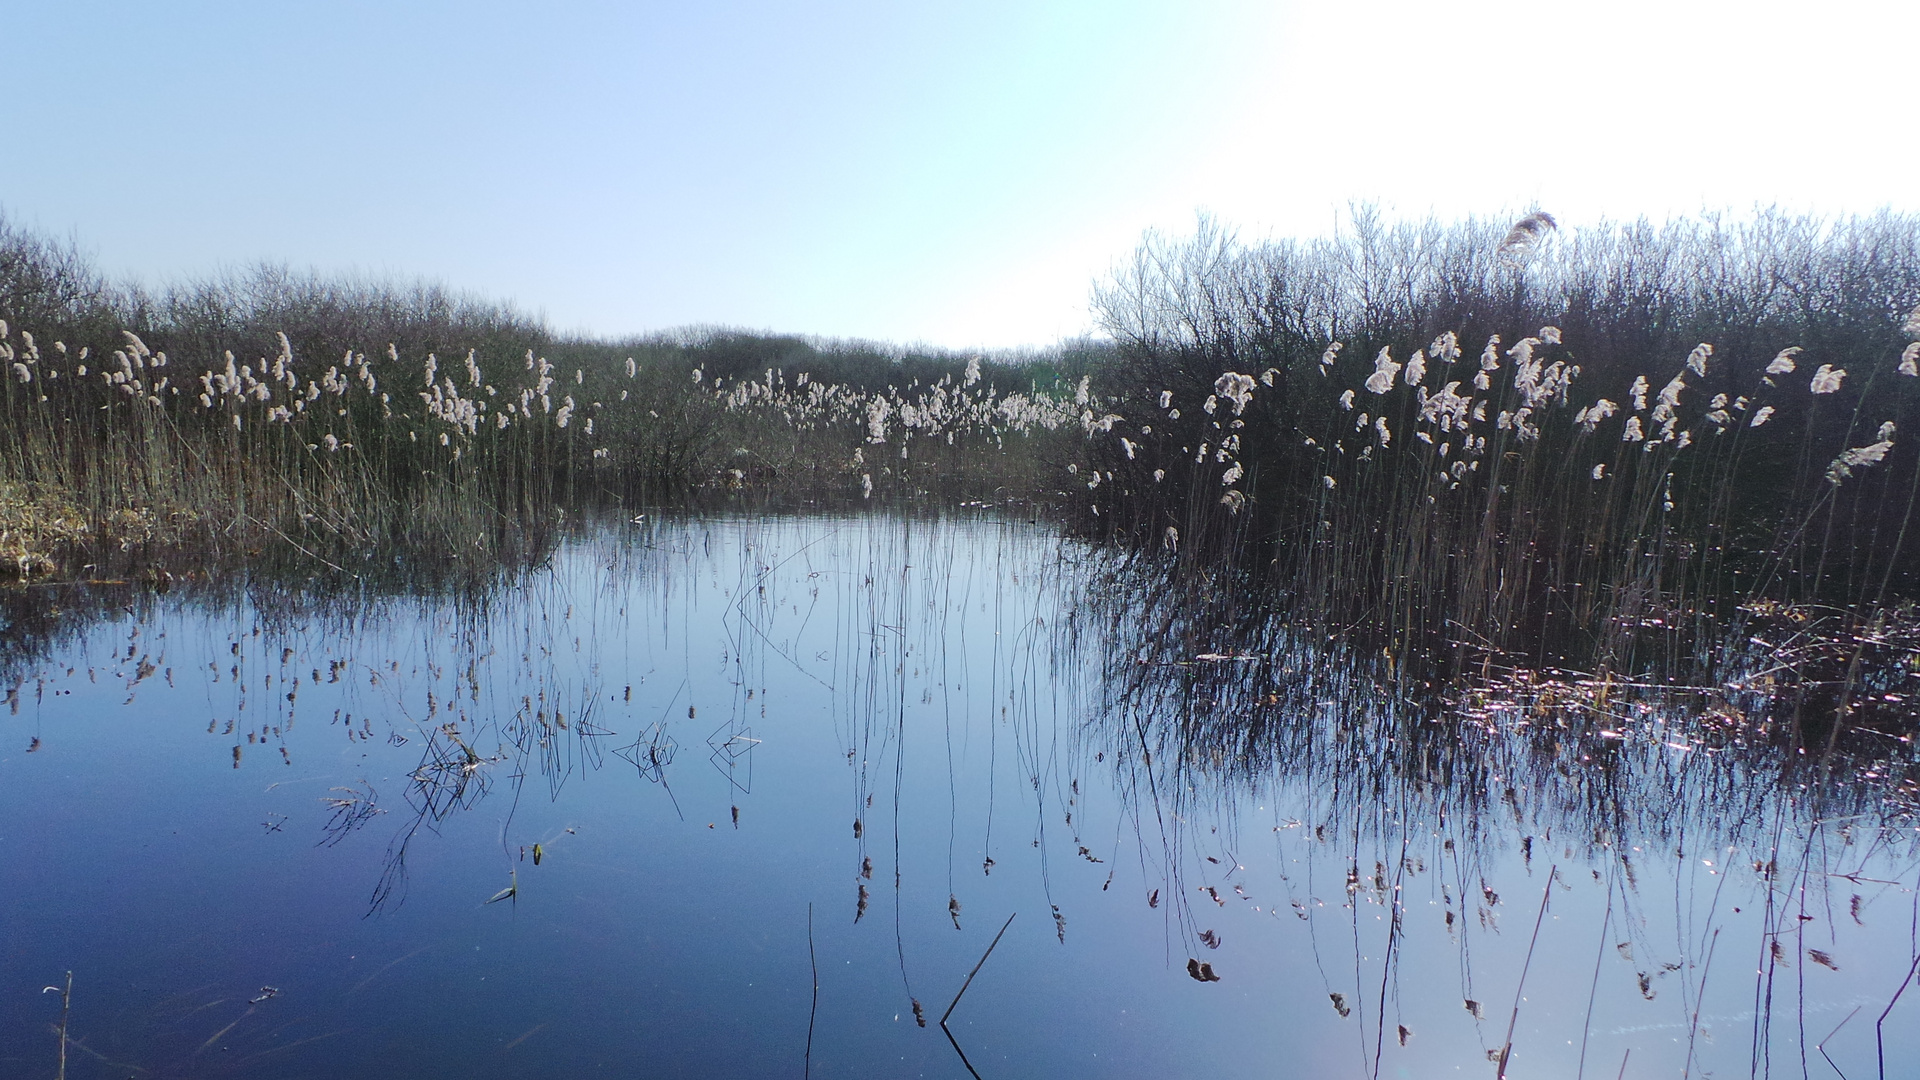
[621,814]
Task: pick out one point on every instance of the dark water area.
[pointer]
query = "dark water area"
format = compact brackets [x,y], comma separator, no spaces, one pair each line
[731,797]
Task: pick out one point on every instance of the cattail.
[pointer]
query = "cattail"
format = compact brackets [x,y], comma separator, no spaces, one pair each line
[1827,379]
[1783,363]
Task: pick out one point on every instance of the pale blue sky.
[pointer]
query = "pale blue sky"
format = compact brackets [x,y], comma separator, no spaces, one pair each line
[941,172]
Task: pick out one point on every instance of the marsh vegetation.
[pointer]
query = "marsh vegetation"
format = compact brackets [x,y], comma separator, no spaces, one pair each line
[1470,644]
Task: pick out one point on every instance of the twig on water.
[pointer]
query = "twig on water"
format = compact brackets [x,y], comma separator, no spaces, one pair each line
[815,1011]
[962,993]
[1693,1028]
[1822,1044]
[1513,1021]
[1879,1036]
[66,1007]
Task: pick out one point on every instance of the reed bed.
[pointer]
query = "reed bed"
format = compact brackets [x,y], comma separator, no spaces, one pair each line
[1452,439]
[359,452]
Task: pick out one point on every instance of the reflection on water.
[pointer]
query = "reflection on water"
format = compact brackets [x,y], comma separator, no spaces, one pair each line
[624,812]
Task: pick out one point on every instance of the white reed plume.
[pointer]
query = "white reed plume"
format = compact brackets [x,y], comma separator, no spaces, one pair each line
[1445,348]
[1594,413]
[1233,501]
[1697,359]
[1669,399]
[1910,360]
[1384,369]
[1212,404]
[1911,327]
[1633,432]
[1267,376]
[1639,392]
[1490,356]
[1783,362]
[1886,432]
[1166,398]
[433,368]
[1236,388]
[973,371]
[697,376]
[1857,458]
[1128,446]
[866,485]
[1081,393]
[1327,358]
[1328,482]
[1827,379]
[1346,400]
[1159,475]
[21,372]
[1600,471]
[1386,434]
[1525,234]
[1416,368]
[1232,475]
[634,369]
[1550,335]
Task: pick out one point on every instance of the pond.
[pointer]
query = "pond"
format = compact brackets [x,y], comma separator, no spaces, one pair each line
[768,797]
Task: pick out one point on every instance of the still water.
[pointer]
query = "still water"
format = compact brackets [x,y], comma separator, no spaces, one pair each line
[735,798]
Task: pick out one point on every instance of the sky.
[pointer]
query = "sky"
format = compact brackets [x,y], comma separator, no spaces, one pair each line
[953,174]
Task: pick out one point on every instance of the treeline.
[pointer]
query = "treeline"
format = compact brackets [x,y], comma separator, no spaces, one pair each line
[1516,437]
